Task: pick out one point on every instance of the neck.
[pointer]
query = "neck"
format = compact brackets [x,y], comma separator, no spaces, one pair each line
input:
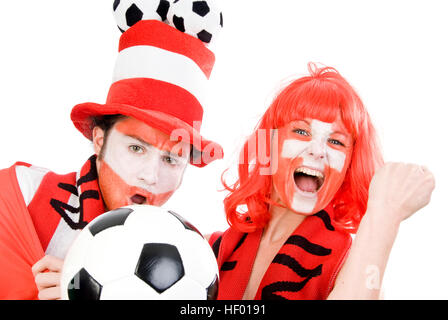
[282,223]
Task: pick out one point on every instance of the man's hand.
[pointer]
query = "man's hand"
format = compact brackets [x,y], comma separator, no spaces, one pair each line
[47,274]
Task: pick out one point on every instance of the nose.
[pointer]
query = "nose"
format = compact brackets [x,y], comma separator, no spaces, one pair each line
[316,150]
[148,174]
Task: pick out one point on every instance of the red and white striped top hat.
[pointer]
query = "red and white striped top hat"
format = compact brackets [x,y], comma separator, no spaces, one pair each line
[160,78]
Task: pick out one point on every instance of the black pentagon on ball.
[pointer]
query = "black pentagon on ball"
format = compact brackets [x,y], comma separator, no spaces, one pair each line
[201,8]
[110,219]
[205,36]
[163,8]
[84,287]
[133,15]
[179,23]
[221,21]
[212,290]
[187,225]
[160,266]
[116,4]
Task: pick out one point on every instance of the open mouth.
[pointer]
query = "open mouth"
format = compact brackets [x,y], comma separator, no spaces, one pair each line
[308,180]
[138,199]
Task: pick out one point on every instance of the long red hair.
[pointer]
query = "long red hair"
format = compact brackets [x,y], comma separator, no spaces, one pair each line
[322,95]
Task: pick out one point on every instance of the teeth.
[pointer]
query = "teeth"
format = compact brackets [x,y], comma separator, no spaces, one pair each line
[310,172]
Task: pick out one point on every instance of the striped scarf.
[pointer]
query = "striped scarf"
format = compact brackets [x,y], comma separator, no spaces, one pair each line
[304,268]
[65,204]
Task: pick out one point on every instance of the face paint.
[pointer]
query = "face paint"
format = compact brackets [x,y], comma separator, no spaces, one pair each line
[138,166]
[117,193]
[312,161]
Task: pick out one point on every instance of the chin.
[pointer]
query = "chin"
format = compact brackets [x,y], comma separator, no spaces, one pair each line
[303,206]
[115,205]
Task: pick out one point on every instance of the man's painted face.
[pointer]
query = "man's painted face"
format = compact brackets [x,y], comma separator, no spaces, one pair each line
[140,165]
[313,157]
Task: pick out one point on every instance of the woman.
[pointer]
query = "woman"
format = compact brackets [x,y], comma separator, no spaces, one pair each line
[291,216]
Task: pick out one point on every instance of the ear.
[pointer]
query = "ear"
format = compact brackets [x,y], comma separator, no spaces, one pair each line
[97,139]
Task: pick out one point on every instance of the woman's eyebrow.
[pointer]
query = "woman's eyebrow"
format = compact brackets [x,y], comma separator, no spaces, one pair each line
[341,133]
[304,120]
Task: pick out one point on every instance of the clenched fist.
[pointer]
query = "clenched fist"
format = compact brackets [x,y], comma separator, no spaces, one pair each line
[398,190]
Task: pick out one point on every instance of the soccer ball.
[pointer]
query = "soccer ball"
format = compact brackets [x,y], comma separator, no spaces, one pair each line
[139,252]
[129,12]
[201,19]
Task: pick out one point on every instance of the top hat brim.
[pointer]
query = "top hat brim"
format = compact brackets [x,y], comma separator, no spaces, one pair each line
[204,151]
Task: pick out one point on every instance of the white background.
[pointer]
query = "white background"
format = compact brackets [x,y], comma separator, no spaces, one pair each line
[55,54]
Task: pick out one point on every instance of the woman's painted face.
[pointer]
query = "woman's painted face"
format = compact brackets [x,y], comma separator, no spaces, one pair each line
[140,165]
[312,159]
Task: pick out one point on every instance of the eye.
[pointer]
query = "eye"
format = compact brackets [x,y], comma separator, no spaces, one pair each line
[136,148]
[169,160]
[302,132]
[336,142]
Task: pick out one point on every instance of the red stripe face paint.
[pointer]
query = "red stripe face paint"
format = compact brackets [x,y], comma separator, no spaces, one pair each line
[313,157]
[140,165]
[117,193]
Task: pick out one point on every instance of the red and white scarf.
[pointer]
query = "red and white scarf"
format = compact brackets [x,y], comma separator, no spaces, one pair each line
[305,268]
[63,205]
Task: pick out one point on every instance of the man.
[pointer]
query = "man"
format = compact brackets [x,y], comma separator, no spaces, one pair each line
[143,137]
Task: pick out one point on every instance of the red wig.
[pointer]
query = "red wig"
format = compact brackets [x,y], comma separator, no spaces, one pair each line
[323,95]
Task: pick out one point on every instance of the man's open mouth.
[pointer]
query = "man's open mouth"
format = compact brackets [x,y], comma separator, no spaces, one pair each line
[308,180]
[138,199]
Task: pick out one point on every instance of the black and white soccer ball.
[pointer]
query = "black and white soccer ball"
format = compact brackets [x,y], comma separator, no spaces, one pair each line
[199,18]
[139,252]
[129,12]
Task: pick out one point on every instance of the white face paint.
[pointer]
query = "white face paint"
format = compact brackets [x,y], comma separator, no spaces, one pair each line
[310,150]
[138,167]
[302,203]
[313,159]
[143,165]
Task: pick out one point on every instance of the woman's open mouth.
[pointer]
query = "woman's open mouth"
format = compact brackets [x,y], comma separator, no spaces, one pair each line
[308,180]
